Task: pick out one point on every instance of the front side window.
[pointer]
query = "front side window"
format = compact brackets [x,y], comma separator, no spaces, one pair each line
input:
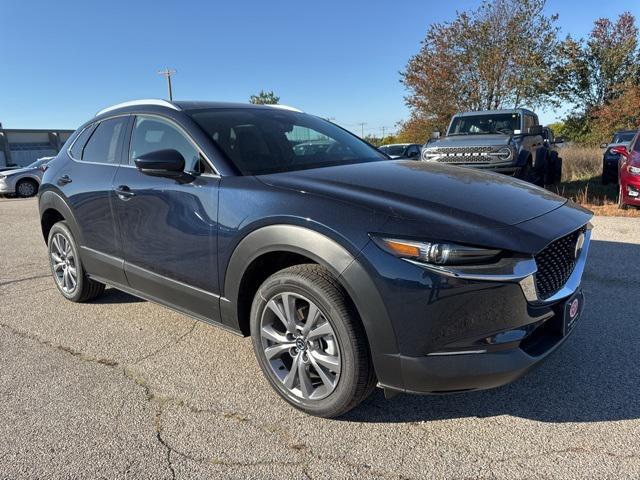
[103,145]
[269,140]
[623,137]
[151,134]
[505,123]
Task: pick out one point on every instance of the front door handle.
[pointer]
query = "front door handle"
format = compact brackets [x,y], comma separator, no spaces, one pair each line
[63,180]
[124,192]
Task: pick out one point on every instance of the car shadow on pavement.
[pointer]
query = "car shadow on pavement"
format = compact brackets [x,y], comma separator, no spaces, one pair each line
[593,377]
[113,296]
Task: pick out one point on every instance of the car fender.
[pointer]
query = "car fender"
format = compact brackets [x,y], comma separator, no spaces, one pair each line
[327,252]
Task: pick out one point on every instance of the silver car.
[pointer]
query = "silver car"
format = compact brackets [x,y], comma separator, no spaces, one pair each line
[23,182]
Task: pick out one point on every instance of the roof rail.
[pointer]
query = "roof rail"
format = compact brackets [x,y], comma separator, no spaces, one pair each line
[283,107]
[148,101]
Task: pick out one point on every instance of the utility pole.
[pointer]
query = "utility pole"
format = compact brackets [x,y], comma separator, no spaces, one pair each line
[362,124]
[167,72]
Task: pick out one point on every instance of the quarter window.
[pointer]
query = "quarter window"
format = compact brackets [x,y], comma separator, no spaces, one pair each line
[151,134]
[103,145]
[79,143]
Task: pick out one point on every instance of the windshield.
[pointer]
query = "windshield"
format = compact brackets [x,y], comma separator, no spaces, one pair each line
[623,137]
[395,150]
[269,140]
[505,123]
[37,163]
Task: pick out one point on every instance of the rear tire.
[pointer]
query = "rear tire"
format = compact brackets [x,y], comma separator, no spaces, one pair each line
[66,266]
[320,363]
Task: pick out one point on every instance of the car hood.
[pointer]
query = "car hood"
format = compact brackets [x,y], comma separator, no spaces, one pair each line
[471,141]
[431,193]
[18,171]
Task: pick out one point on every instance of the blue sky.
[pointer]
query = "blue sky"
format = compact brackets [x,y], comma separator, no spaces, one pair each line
[62,61]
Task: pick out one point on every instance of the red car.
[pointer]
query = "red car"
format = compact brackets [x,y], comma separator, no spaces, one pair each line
[629,193]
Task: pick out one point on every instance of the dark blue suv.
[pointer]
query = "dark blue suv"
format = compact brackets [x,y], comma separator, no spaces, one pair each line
[347,269]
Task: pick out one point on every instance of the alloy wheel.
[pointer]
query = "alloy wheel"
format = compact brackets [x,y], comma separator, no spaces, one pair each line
[63,263]
[300,346]
[26,189]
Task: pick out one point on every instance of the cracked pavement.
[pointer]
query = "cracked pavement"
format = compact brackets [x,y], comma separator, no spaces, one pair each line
[123,388]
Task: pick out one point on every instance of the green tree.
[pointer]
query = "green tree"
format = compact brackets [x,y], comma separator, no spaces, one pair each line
[592,72]
[500,55]
[264,98]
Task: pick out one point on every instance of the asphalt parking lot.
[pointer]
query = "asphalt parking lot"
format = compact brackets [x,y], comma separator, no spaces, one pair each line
[122,388]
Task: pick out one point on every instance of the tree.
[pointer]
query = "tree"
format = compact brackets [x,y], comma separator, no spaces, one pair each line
[500,55]
[594,71]
[264,98]
[621,113]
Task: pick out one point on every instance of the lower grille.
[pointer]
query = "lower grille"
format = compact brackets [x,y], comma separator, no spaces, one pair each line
[556,263]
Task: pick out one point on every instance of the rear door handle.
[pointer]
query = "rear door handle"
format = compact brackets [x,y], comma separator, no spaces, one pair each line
[124,192]
[63,180]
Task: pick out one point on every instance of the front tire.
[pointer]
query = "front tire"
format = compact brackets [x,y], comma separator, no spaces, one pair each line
[621,204]
[310,343]
[66,266]
[27,188]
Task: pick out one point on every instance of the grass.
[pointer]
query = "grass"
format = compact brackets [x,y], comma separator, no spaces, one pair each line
[582,182]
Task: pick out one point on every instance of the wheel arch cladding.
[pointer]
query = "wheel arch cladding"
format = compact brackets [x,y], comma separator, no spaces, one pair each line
[306,246]
[54,209]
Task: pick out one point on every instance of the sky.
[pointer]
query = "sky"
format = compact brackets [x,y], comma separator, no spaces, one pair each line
[62,61]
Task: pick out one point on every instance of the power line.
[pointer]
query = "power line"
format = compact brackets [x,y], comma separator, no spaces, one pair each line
[167,72]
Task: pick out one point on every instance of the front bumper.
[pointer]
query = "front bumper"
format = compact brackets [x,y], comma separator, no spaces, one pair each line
[456,332]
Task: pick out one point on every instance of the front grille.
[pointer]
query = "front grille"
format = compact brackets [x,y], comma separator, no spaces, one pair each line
[556,263]
[471,154]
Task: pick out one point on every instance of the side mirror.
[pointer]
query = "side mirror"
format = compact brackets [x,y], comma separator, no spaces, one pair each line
[435,135]
[535,130]
[620,150]
[161,163]
[604,145]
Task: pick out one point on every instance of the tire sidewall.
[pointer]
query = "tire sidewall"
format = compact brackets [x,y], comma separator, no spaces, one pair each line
[344,391]
[63,229]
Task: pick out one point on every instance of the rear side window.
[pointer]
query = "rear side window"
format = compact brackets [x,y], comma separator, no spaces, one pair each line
[103,145]
[81,140]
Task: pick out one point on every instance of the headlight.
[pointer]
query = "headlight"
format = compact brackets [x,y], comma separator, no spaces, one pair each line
[435,253]
[634,170]
[504,153]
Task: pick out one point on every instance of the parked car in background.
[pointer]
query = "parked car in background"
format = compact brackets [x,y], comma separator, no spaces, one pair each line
[23,182]
[629,173]
[12,166]
[402,150]
[554,167]
[347,269]
[505,141]
[611,159]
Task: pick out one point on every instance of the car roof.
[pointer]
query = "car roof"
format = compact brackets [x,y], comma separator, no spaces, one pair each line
[187,105]
[397,145]
[490,112]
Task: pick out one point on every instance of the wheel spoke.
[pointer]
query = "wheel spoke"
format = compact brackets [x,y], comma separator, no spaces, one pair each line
[312,317]
[56,258]
[282,315]
[306,387]
[324,376]
[289,304]
[72,279]
[290,379]
[277,350]
[65,280]
[272,334]
[72,271]
[324,329]
[58,265]
[330,362]
[56,245]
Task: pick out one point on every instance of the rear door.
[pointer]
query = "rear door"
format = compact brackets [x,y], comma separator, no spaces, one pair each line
[168,228]
[87,184]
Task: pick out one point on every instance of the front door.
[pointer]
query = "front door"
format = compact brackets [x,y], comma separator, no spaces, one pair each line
[168,228]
